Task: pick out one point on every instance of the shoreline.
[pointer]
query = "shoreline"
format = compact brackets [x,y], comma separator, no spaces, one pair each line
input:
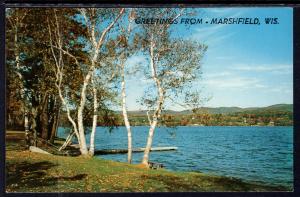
[255,182]
[34,172]
[196,126]
[247,181]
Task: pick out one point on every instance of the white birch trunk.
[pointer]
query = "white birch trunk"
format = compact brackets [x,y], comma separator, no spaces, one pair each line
[67,142]
[157,112]
[123,91]
[125,116]
[93,133]
[156,115]
[59,74]
[83,147]
[96,46]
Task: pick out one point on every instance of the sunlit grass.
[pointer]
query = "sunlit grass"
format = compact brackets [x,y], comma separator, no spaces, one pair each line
[33,172]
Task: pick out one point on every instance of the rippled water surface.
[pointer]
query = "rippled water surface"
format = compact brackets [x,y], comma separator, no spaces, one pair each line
[260,154]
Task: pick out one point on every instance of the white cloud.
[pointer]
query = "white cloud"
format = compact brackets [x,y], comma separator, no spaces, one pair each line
[287,68]
[216,40]
[224,58]
[260,86]
[220,10]
[136,59]
[232,82]
[146,81]
[281,89]
[226,12]
[233,79]
[215,34]
[226,80]
[139,80]
[209,30]
[218,74]
[212,36]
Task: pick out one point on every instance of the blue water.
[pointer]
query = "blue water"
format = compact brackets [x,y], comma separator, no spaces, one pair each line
[259,154]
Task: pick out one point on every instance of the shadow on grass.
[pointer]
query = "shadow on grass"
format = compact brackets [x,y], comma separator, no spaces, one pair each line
[31,175]
[12,144]
[199,183]
[173,183]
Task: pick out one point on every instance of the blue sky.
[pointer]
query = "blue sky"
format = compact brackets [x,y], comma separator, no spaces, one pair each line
[245,65]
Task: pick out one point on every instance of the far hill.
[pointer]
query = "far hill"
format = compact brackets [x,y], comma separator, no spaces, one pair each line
[226,110]
[281,107]
[274,115]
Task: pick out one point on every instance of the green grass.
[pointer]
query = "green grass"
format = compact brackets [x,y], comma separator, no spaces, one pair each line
[33,172]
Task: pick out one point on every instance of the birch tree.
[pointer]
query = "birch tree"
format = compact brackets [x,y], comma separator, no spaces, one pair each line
[92,18]
[126,46]
[15,26]
[28,65]
[98,23]
[173,63]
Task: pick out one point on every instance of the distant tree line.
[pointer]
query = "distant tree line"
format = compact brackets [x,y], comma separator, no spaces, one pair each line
[267,118]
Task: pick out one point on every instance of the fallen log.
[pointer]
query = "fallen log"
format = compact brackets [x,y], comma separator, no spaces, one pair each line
[38,150]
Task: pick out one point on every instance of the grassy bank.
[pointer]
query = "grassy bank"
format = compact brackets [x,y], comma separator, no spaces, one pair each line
[33,172]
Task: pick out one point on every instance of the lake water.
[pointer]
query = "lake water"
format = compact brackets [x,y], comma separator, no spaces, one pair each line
[259,154]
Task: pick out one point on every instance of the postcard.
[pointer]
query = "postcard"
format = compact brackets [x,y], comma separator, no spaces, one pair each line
[133,99]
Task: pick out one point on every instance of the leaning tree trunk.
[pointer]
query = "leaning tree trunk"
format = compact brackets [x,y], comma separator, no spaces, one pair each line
[58,59]
[160,103]
[154,122]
